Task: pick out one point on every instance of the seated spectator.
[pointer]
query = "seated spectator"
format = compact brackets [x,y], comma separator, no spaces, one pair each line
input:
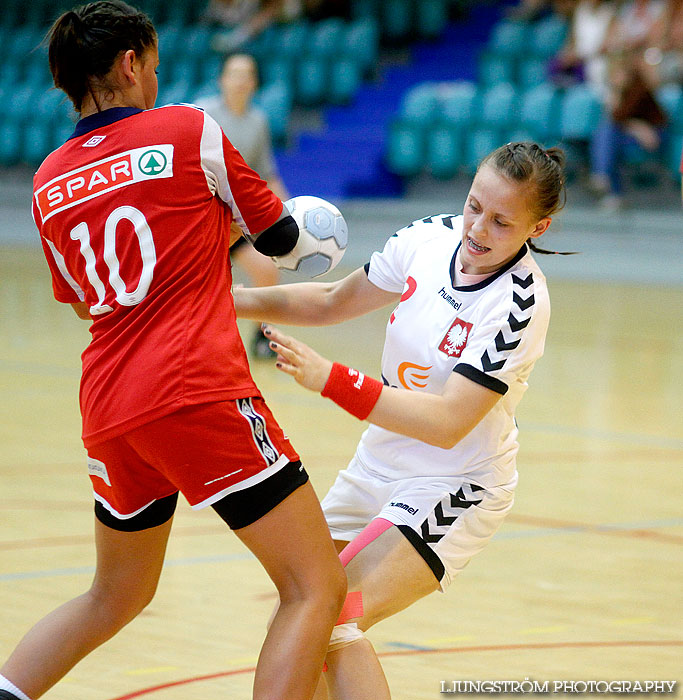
[633,116]
[662,60]
[243,20]
[634,22]
[582,58]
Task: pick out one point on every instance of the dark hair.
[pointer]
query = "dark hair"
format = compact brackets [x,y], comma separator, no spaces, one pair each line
[84,42]
[527,162]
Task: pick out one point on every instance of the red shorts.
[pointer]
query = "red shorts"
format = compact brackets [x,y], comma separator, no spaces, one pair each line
[206,451]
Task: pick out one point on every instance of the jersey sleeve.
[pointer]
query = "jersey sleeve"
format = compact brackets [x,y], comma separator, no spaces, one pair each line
[253,205]
[503,347]
[64,287]
[388,269]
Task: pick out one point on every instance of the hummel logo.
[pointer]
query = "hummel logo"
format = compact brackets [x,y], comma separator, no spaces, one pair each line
[404,506]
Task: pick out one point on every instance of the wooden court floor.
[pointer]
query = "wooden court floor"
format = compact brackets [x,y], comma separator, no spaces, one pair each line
[583,582]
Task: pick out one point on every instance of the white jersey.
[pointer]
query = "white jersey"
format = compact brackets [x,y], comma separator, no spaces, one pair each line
[491,332]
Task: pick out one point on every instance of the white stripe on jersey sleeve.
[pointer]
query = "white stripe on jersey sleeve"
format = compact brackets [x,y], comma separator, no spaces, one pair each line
[61,266]
[213,165]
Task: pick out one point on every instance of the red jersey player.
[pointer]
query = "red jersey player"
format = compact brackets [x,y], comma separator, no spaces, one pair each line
[135,213]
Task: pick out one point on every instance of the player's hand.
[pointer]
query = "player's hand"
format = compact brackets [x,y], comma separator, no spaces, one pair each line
[298,360]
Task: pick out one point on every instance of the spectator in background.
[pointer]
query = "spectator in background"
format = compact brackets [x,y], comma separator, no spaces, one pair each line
[246,126]
[632,116]
[582,56]
[634,22]
[662,60]
[243,20]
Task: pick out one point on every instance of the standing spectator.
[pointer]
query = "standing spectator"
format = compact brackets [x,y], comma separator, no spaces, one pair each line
[247,128]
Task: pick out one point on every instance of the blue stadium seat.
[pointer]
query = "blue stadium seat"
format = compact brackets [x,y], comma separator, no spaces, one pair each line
[169,43]
[210,68]
[362,9]
[405,149]
[10,142]
[311,78]
[175,92]
[443,151]
[37,142]
[672,159]
[278,69]
[531,72]
[460,104]
[499,106]
[509,39]
[361,42]
[492,69]
[420,105]
[326,37]
[432,18]
[19,103]
[275,100]
[345,79]
[548,36]
[196,41]
[580,112]
[291,39]
[670,97]
[539,111]
[183,69]
[396,19]
[60,133]
[478,144]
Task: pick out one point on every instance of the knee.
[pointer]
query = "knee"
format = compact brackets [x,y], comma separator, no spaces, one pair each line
[121,604]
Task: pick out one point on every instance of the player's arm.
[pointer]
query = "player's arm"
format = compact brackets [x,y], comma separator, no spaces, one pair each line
[313,303]
[440,420]
[82,310]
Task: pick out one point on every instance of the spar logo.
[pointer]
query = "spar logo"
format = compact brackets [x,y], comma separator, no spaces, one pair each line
[152,162]
[83,184]
[455,340]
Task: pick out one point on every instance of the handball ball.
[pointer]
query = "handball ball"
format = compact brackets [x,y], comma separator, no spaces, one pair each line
[323,235]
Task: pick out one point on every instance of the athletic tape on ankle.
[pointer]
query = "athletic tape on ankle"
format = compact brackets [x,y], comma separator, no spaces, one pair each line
[352,608]
[352,390]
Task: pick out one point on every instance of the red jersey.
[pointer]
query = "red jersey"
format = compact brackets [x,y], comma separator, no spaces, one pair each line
[134,214]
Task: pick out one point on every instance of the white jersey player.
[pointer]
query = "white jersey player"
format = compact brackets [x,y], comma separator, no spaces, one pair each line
[434,474]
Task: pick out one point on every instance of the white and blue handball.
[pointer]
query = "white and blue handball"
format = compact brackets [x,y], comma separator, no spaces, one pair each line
[323,236]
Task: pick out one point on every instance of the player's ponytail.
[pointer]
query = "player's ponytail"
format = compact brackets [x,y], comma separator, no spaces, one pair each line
[83,44]
[527,162]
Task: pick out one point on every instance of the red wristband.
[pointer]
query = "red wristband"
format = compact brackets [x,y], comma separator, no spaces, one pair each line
[352,390]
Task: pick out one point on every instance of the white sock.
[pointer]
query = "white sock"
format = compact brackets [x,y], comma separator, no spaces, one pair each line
[6,684]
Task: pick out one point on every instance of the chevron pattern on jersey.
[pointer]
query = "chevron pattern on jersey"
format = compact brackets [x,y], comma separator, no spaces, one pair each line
[444,219]
[447,511]
[510,336]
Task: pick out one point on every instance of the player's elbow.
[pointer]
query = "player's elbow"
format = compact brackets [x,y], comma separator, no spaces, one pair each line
[278,239]
[446,437]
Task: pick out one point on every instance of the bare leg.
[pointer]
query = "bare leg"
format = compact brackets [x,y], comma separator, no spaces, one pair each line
[293,544]
[391,576]
[125,582]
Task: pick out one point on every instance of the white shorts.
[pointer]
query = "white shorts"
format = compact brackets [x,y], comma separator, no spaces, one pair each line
[447,520]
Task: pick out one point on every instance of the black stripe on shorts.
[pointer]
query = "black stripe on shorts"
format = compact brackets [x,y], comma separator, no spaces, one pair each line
[157,513]
[244,507]
[425,551]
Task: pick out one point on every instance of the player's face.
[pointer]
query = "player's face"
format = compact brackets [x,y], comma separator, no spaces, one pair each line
[497,222]
[148,76]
